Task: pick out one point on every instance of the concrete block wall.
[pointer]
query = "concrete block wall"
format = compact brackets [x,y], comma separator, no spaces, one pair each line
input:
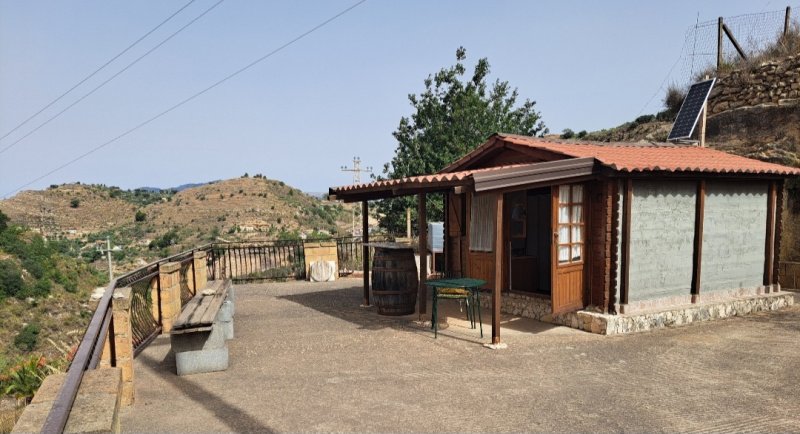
[734,235]
[319,251]
[662,239]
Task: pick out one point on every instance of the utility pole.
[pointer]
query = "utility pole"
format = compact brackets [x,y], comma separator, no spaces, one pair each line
[108,256]
[357,170]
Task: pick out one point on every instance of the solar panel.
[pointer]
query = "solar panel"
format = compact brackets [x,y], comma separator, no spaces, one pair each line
[690,110]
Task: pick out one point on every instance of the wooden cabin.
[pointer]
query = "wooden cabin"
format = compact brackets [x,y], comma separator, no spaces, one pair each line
[620,227]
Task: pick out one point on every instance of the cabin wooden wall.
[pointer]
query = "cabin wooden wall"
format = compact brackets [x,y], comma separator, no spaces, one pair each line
[479,265]
[600,229]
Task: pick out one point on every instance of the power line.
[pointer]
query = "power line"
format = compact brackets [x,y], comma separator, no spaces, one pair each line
[97,70]
[86,95]
[217,83]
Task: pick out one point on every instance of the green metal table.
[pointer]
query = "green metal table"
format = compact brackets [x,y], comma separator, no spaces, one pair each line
[471,286]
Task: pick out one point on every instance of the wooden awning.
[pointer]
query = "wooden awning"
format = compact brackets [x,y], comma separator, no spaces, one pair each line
[486,179]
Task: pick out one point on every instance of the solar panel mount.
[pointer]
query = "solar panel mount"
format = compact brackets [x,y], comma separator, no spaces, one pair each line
[690,111]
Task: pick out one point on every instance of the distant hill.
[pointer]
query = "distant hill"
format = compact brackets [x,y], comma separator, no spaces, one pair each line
[175,189]
[147,223]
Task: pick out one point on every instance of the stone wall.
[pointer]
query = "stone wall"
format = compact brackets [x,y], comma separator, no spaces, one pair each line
[773,83]
[539,308]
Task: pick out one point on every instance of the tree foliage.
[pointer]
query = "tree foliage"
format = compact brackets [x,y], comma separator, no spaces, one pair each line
[450,118]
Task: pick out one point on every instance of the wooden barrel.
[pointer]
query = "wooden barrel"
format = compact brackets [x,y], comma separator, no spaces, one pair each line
[394,281]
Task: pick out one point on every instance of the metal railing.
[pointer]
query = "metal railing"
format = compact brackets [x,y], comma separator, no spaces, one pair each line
[258,260]
[145,326]
[349,253]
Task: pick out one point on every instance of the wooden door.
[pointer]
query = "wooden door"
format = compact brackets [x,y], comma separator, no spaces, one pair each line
[568,247]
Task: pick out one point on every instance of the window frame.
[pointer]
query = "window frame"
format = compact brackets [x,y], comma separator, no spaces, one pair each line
[570,225]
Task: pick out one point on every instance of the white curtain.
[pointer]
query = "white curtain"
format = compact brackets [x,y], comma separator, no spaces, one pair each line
[481,228]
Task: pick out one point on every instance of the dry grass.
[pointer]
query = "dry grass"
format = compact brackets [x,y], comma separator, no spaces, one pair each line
[8,417]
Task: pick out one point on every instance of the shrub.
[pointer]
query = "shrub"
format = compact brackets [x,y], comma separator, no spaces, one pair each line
[11,283]
[23,380]
[643,119]
[3,221]
[582,134]
[27,338]
[74,203]
[140,216]
[567,134]
[674,98]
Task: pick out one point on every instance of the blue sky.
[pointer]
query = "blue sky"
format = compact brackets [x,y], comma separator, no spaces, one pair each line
[304,112]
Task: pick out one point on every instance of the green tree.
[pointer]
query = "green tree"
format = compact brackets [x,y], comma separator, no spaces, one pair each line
[452,117]
[74,203]
[140,216]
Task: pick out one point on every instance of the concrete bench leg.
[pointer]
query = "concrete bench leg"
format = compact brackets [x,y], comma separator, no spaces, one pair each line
[225,319]
[200,352]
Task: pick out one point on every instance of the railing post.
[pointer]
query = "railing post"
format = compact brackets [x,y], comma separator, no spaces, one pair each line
[199,270]
[169,277]
[123,340]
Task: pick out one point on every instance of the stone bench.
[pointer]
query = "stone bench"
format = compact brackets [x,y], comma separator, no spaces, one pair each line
[199,335]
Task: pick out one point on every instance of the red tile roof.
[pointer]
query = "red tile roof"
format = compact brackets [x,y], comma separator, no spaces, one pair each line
[666,157]
[622,157]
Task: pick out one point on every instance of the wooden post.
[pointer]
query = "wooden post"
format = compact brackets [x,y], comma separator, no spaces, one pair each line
[408,223]
[365,248]
[769,254]
[776,261]
[498,269]
[626,245]
[699,215]
[423,253]
[787,21]
[704,115]
[446,236]
[719,44]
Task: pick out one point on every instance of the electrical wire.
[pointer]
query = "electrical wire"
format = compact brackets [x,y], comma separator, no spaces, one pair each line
[97,70]
[190,98]
[98,87]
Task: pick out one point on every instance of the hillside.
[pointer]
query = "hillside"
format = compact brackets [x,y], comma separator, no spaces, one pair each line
[144,224]
[44,295]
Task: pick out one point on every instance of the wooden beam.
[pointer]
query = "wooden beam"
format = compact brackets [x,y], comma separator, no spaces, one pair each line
[365,248]
[769,253]
[446,236]
[776,278]
[626,244]
[697,260]
[498,269]
[615,236]
[733,40]
[423,253]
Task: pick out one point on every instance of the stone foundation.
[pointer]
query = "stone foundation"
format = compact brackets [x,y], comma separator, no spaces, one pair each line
[539,308]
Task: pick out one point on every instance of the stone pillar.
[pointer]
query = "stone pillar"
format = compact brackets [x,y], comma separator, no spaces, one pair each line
[170,284]
[123,340]
[200,271]
[320,251]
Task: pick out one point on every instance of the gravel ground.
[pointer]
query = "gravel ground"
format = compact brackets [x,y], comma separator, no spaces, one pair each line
[307,358]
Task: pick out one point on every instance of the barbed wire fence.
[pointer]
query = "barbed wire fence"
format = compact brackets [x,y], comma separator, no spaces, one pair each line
[754,33]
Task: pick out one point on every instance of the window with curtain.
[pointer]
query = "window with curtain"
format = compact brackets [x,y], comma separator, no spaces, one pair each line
[570,224]
[481,228]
